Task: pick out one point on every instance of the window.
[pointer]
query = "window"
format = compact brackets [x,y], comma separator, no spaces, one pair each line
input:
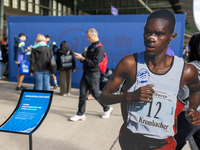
[15,3]
[64,10]
[54,8]
[37,8]
[23,5]
[30,5]
[59,9]
[6,2]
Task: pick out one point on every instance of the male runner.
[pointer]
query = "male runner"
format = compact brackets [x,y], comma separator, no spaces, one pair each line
[153,78]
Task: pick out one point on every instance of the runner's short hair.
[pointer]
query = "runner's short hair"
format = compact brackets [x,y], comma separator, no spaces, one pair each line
[164,14]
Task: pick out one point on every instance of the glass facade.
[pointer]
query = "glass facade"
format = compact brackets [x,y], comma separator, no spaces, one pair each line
[23,5]
[6,2]
[59,9]
[15,3]
[54,8]
[30,5]
[37,7]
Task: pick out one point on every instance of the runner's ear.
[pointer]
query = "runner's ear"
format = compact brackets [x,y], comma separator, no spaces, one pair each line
[173,36]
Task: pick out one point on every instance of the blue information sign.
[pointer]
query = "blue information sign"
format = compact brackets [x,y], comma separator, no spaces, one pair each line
[30,112]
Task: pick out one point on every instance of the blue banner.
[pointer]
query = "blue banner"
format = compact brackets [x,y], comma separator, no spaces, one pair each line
[121,35]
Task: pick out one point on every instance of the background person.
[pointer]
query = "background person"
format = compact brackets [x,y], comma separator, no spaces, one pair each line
[91,75]
[4,49]
[2,66]
[184,128]
[19,49]
[65,73]
[39,63]
[54,48]
[153,78]
[89,96]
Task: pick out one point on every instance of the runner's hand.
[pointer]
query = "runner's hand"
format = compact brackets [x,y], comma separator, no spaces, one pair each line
[193,116]
[144,94]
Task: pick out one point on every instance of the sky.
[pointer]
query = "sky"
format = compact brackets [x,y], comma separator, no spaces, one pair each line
[196,11]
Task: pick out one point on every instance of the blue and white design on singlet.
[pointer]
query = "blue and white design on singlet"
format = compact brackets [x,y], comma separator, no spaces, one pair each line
[155,119]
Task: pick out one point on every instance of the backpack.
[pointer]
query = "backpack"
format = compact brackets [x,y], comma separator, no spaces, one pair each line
[66,61]
[103,64]
[53,66]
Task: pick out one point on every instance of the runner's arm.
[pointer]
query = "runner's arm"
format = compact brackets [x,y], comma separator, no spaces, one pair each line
[190,78]
[126,69]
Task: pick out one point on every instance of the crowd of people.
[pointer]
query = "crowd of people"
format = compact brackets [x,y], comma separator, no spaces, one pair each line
[157,84]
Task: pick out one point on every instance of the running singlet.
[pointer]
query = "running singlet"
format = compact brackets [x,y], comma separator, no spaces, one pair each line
[155,119]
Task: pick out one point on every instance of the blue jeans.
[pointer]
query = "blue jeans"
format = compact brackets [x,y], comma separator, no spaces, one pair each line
[42,80]
[2,68]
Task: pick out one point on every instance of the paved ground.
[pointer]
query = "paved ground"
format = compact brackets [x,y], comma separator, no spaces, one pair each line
[57,132]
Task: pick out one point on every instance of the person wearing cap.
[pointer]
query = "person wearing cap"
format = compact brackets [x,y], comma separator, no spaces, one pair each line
[19,48]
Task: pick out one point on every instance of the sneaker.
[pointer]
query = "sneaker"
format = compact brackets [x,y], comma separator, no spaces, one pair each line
[55,86]
[68,94]
[107,113]
[77,118]
[64,95]
[19,88]
[23,87]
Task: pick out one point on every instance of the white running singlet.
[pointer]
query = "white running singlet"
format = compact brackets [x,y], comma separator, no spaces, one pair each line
[155,119]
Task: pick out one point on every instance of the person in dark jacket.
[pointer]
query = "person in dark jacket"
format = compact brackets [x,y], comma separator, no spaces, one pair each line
[65,72]
[39,63]
[91,75]
[54,47]
[4,60]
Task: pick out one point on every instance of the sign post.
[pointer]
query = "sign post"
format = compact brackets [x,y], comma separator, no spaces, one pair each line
[30,142]
[29,113]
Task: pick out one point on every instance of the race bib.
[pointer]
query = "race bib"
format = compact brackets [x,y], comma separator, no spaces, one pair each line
[159,113]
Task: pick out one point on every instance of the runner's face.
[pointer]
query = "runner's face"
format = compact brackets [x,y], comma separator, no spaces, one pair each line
[156,36]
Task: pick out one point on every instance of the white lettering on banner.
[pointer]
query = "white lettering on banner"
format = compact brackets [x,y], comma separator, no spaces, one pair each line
[35,96]
[153,123]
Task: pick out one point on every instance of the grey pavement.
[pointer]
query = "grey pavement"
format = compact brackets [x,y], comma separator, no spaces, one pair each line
[57,132]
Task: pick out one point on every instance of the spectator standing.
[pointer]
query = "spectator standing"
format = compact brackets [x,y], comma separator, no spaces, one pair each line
[4,49]
[54,48]
[65,72]
[91,75]
[40,62]
[19,49]
[2,65]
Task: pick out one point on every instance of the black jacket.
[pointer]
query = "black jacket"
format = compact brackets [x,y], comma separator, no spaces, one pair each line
[64,50]
[39,59]
[93,57]
[4,50]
